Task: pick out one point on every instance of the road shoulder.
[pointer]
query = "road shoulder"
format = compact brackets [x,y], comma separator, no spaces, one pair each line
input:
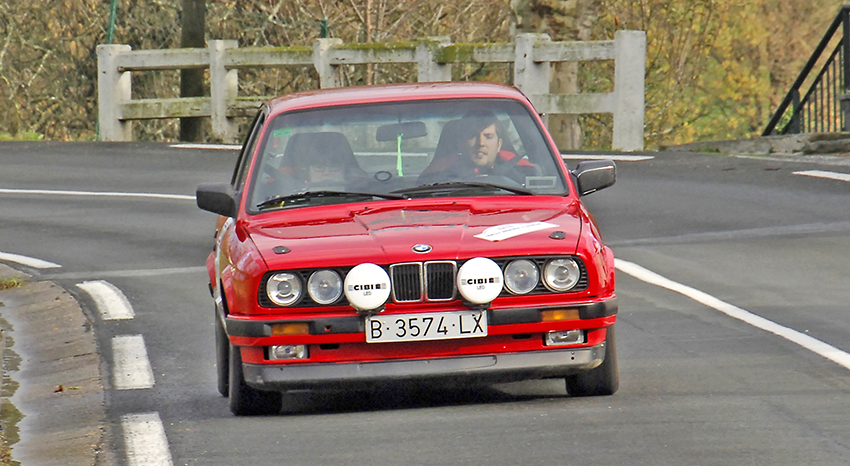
[60,392]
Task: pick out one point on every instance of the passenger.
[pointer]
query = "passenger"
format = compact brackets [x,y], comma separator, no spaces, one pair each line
[323,158]
[312,162]
[319,158]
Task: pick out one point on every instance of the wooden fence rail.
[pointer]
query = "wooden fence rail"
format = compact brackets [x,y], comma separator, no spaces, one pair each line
[531,54]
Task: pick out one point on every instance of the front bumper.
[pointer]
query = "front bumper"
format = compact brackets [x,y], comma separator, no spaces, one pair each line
[260,327]
[479,368]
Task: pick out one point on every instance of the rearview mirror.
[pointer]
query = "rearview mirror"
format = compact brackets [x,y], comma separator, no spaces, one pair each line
[217,198]
[591,176]
[407,130]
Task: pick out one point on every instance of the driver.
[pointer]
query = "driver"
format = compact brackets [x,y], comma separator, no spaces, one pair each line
[479,152]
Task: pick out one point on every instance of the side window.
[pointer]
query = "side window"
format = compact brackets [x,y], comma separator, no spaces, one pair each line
[247,149]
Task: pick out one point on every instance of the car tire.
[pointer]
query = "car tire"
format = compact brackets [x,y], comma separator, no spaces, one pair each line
[601,380]
[222,358]
[245,400]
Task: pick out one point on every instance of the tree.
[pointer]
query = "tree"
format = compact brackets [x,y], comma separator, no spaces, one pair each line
[192,80]
[716,69]
[563,20]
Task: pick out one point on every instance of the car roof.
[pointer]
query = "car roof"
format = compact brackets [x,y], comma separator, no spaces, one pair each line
[393,93]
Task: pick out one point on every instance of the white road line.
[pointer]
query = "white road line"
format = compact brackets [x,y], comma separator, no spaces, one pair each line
[124,273]
[207,146]
[132,368]
[825,174]
[48,192]
[145,440]
[616,158]
[816,346]
[28,261]
[110,301]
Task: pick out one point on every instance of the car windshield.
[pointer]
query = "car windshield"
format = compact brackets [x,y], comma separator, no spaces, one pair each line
[427,148]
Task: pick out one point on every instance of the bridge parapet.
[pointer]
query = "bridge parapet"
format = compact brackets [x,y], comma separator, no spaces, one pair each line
[531,55]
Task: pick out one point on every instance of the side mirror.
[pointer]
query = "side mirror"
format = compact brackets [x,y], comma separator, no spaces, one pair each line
[591,176]
[217,198]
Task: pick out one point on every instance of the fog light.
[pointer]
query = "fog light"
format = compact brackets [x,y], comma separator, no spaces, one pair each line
[281,352]
[565,337]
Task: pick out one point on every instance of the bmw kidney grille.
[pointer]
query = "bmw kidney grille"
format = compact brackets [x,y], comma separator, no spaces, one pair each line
[423,281]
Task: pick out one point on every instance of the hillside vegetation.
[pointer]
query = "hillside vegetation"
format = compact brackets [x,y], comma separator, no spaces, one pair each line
[716,69]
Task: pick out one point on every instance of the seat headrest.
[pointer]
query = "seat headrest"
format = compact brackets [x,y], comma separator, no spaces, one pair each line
[327,146]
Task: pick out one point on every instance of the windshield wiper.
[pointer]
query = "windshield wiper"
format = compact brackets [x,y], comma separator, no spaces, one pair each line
[455,185]
[307,196]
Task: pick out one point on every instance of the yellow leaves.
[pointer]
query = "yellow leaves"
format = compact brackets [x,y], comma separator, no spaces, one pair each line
[714,66]
[10,282]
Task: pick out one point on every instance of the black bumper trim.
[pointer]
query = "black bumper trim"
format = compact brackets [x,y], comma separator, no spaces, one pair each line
[339,325]
[481,368]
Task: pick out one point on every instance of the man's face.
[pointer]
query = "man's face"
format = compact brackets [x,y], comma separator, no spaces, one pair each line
[485,146]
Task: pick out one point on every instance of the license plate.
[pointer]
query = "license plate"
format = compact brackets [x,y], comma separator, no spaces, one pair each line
[426,326]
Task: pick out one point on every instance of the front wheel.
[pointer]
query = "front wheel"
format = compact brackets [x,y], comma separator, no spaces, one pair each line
[602,380]
[246,400]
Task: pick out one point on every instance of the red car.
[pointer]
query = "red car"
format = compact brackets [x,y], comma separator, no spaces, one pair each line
[416,233]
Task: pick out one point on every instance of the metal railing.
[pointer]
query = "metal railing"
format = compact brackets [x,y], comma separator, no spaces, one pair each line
[824,105]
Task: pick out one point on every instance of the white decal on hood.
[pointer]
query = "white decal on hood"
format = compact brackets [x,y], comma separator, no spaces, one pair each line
[500,232]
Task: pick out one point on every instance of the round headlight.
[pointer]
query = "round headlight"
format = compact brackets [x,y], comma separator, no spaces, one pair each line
[561,274]
[521,276]
[284,288]
[324,286]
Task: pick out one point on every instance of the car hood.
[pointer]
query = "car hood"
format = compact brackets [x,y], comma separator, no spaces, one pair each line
[346,235]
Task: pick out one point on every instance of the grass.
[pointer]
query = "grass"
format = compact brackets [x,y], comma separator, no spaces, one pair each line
[10,282]
[26,136]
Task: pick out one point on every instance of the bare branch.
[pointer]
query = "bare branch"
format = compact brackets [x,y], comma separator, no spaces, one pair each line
[357,11]
[40,67]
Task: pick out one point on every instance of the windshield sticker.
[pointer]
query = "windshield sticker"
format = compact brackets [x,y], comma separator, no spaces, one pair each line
[500,232]
[279,133]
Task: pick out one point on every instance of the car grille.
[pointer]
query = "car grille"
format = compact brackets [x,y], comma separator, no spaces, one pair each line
[423,281]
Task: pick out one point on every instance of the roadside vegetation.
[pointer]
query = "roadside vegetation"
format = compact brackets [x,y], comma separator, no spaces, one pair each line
[716,69]
[8,283]
[25,136]
[5,452]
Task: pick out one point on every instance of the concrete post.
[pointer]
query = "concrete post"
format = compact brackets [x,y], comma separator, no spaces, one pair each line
[429,70]
[224,87]
[629,71]
[329,75]
[529,76]
[113,88]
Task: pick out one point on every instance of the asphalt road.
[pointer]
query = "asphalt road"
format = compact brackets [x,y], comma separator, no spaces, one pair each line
[698,387]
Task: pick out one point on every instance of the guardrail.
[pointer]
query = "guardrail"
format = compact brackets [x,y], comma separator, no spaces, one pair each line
[531,54]
[825,106]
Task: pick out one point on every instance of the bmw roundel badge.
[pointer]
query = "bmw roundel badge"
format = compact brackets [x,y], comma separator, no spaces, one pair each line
[422,248]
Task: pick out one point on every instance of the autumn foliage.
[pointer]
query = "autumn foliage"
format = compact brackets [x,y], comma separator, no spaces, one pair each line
[716,69]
